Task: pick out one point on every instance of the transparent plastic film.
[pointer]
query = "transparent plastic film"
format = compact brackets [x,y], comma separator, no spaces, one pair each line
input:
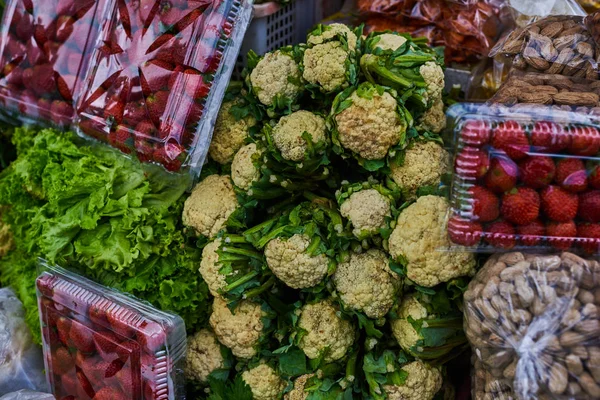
[533,324]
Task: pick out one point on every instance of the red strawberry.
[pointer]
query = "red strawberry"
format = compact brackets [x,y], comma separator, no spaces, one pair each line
[151,336]
[64,28]
[590,235]
[61,112]
[589,206]
[145,129]
[28,78]
[502,175]
[40,35]
[510,137]
[176,75]
[35,55]
[115,366]
[110,393]
[561,234]
[24,30]
[95,369]
[594,178]
[187,19]
[134,113]
[127,350]
[168,155]
[62,361]
[81,337]
[28,5]
[119,138]
[69,384]
[63,326]
[14,74]
[85,384]
[532,233]
[571,175]
[115,108]
[521,206]
[64,85]
[44,106]
[537,172]
[129,382]
[196,87]
[144,149]
[119,322]
[97,313]
[44,81]
[170,15]
[558,204]
[464,232]
[485,204]
[156,104]
[105,341]
[549,137]
[500,234]
[585,140]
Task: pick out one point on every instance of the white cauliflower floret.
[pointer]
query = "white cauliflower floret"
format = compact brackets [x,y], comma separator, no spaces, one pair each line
[330,32]
[210,266]
[6,239]
[288,260]
[287,134]
[229,134]
[422,383]
[367,211]
[325,65]
[404,332]
[298,392]
[210,205]
[275,75]
[325,331]
[243,171]
[434,78]
[203,356]
[424,164]
[366,283]
[264,382]
[434,119]
[370,127]
[389,41]
[240,330]
[419,235]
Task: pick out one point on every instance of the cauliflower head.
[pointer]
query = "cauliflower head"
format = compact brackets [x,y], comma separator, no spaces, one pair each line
[403,331]
[210,266]
[229,134]
[390,41]
[419,234]
[424,164]
[367,211]
[330,32]
[264,382]
[243,171]
[434,119]
[298,393]
[422,383]
[287,134]
[325,331]
[370,126]
[325,65]
[210,205]
[240,330]
[276,75]
[6,239]
[203,356]
[434,78]
[288,260]
[366,283]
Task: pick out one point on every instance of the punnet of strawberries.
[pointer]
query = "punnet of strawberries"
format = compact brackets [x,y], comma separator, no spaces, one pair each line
[526,179]
[99,344]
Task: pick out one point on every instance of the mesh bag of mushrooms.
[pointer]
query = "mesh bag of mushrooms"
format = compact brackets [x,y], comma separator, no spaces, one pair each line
[533,323]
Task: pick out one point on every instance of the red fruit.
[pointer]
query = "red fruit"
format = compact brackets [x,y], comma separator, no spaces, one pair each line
[81,337]
[532,233]
[549,137]
[145,129]
[510,137]
[170,15]
[61,112]
[115,110]
[585,140]
[85,384]
[571,175]
[537,172]
[589,235]
[28,5]
[110,393]
[485,204]
[120,320]
[34,54]
[464,232]
[63,326]
[97,313]
[134,113]
[62,361]
[63,88]
[127,350]
[589,206]
[115,366]
[64,28]
[119,137]
[176,75]
[156,104]
[187,19]
[129,382]
[594,178]
[561,234]
[13,74]
[500,234]
[558,204]
[40,35]
[24,29]
[105,342]
[195,85]
[69,384]
[168,155]
[521,206]
[502,175]
[151,337]
[44,82]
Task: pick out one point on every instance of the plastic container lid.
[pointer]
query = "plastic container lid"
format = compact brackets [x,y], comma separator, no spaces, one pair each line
[100,343]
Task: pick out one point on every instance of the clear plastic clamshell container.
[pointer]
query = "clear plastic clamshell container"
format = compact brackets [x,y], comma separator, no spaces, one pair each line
[101,344]
[525,177]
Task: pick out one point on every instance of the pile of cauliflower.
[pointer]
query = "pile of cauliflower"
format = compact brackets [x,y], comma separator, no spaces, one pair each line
[321,215]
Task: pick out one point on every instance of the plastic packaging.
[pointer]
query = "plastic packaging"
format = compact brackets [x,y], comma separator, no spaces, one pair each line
[21,361]
[42,56]
[533,324]
[553,45]
[525,177]
[590,5]
[100,342]
[27,395]
[161,77]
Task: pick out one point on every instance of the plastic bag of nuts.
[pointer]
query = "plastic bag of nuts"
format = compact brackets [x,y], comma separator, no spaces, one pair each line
[533,323]
[553,45]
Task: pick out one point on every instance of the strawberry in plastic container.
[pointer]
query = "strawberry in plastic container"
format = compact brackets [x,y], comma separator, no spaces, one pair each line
[156,62]
[42,54]
[101,344]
